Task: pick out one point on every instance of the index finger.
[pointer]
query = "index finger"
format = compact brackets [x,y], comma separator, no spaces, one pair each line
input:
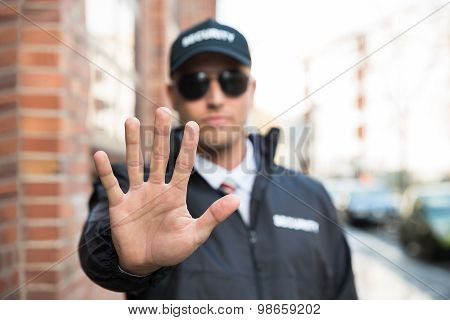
[109,181]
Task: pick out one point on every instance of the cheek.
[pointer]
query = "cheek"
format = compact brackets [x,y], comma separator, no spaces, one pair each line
[240,108]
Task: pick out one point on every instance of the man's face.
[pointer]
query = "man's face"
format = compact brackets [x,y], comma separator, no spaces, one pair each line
[221,117]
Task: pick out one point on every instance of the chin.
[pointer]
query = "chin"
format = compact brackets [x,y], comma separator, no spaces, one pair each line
[211,145]
[220,135]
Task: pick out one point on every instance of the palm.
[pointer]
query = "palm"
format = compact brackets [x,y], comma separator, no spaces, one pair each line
[150,224]
[152,230]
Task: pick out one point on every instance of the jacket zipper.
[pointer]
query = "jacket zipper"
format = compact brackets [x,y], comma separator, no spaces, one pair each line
[256,268]
[252,239]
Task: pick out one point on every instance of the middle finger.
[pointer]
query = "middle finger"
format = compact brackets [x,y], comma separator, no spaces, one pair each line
[161,145]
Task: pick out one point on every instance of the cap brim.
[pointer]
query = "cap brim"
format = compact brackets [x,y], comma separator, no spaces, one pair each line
[205,49]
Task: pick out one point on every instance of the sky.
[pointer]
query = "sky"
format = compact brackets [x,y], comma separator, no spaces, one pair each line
[406,87]
[283,33]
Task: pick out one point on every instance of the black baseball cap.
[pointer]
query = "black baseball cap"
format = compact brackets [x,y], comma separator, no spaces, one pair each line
[209,36]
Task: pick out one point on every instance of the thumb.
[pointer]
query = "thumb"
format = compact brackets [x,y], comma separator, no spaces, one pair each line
[216,213]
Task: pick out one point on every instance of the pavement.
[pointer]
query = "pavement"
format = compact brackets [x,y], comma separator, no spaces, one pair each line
[384,272]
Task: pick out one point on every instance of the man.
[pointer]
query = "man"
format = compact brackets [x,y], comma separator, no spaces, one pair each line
[170,231]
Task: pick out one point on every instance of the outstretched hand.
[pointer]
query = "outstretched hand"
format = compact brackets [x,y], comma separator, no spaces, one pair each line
[151,226]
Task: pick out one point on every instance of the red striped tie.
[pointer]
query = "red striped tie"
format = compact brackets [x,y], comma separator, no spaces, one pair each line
[227,187]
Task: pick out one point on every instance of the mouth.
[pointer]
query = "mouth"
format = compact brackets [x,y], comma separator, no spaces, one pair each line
[216,120]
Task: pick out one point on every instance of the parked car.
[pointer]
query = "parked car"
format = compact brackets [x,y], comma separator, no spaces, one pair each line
[340,189]
[425,220]
[371,205]
[363,203]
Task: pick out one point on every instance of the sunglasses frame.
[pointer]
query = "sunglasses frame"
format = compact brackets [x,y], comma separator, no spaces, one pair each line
[220,77]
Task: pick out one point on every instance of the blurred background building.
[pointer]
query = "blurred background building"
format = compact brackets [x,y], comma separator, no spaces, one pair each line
[69,73]
[72,71]
[388,115]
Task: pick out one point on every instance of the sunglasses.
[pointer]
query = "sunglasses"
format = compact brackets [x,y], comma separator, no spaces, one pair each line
[193,86]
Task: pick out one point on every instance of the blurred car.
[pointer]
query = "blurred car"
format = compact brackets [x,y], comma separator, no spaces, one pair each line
[339,190]
[425,220]
[371,205]
[362,202]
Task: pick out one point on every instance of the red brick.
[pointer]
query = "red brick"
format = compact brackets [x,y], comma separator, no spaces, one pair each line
[74,286]
[8,35]
[42,233]
[2,286]
[44,276]
[39,166]
[13,295]
[9,258]
[8,190]
[10,283]
[43,144]
[40,124]
[41,80]
[8,81]
[49,255]
[41,295]
[6,100]
[47,210]
[7,13]
[8,57]
[14,280]
[8,170]
[5,107]
[34,35]
[7,103]
[43,1]
[8,211]
[42,15]
[8,234]
[45,59]
[39,101]
[44,189]
[8,123]
[8,146]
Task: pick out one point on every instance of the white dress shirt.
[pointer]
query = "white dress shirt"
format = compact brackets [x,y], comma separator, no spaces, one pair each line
[242,176]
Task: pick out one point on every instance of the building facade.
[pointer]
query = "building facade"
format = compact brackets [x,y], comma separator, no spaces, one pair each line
[66,86]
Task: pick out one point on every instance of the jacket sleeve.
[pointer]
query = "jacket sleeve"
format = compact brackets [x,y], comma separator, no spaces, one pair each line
[96,251]
[339,253]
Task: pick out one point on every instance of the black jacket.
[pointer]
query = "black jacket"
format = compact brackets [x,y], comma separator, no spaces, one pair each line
[266,260]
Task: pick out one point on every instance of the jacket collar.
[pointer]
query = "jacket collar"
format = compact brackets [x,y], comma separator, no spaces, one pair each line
[264,148]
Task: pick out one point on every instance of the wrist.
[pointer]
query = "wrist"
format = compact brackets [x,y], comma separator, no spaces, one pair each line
[137,271]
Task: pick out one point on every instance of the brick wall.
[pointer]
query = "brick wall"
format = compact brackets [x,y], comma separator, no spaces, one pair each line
[45,153]
[151,57]
[193,11]
[9,215]
[44,175]
[160,22]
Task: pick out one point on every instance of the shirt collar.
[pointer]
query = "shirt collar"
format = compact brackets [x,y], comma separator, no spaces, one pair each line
[241,175]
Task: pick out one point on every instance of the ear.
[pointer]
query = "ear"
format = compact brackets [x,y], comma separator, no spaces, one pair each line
[171,94]
[253,84]
[252,92]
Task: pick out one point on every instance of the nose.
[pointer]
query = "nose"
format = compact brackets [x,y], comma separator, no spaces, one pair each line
[215,96]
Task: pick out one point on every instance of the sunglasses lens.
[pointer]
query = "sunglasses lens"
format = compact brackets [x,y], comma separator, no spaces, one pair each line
[233,82]
[193,86]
